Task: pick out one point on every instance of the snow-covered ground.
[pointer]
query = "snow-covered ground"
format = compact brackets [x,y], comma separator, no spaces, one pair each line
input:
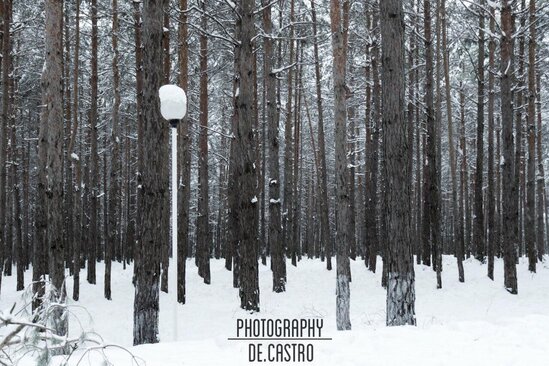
[471,323]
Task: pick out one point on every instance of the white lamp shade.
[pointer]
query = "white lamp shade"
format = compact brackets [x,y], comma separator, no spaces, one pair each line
[173,102]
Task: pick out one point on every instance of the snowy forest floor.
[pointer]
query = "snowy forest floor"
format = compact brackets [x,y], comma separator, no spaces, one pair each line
[471,323]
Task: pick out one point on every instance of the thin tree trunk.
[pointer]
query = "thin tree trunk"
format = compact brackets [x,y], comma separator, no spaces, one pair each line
[139,111]
[184,160]
[203,225]
[431,230]
[94,236]
[288,143]
[530,224]
[75,163]
[276,244]
[166,66]
[491,238]
[115,173]
[451,144]
[6,22]
[326,238]
[372,232]
[541,207]
[438,244]
[519,126]
[478,210]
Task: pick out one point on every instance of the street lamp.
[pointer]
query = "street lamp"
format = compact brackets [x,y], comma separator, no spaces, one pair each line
[173,106]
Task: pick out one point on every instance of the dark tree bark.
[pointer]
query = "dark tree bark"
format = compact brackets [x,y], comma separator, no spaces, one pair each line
[491,238]
[372,207]
[478,210]
[517,92]
[541,207]
[245,169]
[67,166]
[166,66]
[154,180]
[431,215]
[400,265]
[5,7]
[39,259]
[438,244]
[76,165]
[509,182]
[530,224]
[288,202]
[463,181]
[342,187]
[202,224]
[184,160]
[452,153]
[115,173]
[294,249]
[276,244]
[53,88]
[139,111]
[93,238]
[326,237]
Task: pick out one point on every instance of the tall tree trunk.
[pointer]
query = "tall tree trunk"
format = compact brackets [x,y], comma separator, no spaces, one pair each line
[294,250]
[530,224]
[463,185]
[53,88]
[372,232]
[76,165]
[342,188]
[154,180]
[184,160]
[478,210]
[519,126]
[139,111]
[541,207]
[115,173]
[326,238]
[498,248]
[439,243]
[15,184]
[509,181]
[6,45]
[94,236]
[39,259]
[352,146]
[400,270]
[431,230]
[202,224]
[166,66]
[67,166]
[288,143]
[367,144]
[491,238]
[276,243]
[8,110]
[245,169]
[451,143]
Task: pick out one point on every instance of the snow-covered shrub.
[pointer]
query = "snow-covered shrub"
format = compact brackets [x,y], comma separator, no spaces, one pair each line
[30,334]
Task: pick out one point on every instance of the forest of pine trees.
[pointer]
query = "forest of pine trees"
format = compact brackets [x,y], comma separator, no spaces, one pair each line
[382,131]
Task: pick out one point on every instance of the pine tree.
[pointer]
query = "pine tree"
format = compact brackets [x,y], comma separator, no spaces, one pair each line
[154,180]
[400,270]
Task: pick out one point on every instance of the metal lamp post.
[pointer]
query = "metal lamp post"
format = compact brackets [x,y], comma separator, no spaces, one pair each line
[173,107]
